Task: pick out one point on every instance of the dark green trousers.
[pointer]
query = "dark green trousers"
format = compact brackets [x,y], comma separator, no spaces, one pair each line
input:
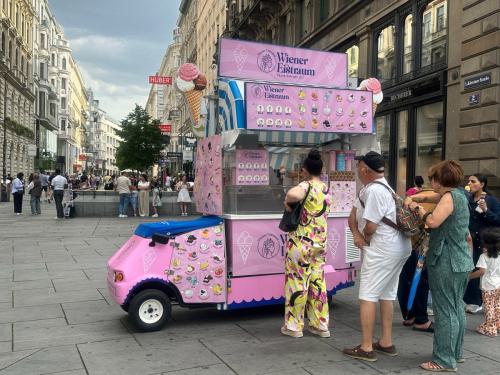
[448,290]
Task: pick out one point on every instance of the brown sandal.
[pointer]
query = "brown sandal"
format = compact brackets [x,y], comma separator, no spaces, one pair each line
[387,350]
[436,367]
[359,353]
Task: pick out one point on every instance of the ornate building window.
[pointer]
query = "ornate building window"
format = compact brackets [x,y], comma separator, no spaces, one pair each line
[352,61]
[386,62]
[324,10]
[408,44]
[434,34]
[397,52]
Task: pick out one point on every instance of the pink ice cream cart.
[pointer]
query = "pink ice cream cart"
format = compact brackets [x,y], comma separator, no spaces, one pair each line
[274,104]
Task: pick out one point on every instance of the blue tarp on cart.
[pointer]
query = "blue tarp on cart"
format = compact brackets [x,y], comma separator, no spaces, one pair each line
[172,228]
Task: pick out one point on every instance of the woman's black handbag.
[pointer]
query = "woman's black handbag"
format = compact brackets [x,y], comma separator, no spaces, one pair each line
[291,220]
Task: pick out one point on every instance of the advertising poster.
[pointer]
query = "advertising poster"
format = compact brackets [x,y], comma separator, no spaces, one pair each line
[308,109]
[208,181]
[252,167]
[272,63]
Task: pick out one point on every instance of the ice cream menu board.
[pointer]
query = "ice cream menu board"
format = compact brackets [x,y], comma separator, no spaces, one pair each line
[273,63]
[307,109]
[252,167]
[208,181]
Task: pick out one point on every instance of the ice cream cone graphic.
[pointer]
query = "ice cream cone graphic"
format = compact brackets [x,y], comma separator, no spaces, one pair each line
[244,242]
[193,99]
[333,242]
[192,83]
[240,55]
[330,68]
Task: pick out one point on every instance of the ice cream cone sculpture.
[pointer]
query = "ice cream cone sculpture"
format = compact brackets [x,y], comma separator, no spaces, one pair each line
[373,85]
[191,83]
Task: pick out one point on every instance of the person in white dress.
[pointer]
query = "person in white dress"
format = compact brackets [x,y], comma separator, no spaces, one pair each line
[156,197]
[183,198]
[143,188]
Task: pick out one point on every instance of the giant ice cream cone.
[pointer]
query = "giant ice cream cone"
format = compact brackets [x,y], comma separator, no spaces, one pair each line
[373,85]
[193,99]
[191,83]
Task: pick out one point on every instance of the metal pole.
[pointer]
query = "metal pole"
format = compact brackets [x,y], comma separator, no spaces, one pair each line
[4,169]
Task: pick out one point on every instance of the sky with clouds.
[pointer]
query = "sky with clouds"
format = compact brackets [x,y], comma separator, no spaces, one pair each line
[117,44]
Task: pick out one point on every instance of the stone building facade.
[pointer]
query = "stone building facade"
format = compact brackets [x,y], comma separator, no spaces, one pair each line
[438,61]
[209,26]
[16,86]
[188,53]
[46,85]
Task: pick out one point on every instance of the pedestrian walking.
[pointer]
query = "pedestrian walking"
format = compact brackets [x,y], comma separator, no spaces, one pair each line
[183,197]
[385,251]
[488,269]
[50,189]
[35,190]
[143,188]
[123,188]
[134,195]
[44,180]
[156,197]
[59,183]
[305,259]
[484,210]
[449,262]
[18,193]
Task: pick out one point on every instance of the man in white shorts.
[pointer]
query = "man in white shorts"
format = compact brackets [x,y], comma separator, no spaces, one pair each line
[385,250]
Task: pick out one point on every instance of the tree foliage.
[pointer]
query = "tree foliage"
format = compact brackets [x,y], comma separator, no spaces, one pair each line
[142,141]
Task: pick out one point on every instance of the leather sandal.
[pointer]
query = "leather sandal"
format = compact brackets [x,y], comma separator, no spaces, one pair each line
[436,367]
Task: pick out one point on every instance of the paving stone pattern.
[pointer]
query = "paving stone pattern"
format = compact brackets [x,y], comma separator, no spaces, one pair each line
[56,318]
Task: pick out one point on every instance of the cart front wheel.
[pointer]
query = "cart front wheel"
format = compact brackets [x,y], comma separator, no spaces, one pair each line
[150,310]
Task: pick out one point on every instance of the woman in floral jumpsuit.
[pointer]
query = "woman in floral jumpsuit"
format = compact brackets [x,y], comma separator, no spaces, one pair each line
[305,287]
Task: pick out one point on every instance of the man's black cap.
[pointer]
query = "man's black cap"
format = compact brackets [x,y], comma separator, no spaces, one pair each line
[373,160]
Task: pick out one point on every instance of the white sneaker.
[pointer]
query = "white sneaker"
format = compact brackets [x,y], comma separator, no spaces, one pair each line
[288,332]
[318,332]
[473,309]
[155,215]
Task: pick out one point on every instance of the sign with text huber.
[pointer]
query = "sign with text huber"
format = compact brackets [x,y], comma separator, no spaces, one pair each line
[267,62]
[308,109]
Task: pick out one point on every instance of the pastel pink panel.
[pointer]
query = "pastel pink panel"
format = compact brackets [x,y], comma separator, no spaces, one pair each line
[198,266]
[258,246]
[273,63]
[208,181]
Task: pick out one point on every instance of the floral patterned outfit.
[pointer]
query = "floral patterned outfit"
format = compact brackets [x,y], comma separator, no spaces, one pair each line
[305,286]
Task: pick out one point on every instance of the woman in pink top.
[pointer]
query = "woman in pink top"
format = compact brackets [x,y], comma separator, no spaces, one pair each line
[417,188]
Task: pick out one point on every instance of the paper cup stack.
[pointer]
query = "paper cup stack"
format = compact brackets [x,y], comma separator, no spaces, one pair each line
[191,83]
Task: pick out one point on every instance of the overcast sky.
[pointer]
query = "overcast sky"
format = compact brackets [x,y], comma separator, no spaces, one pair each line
[117,45]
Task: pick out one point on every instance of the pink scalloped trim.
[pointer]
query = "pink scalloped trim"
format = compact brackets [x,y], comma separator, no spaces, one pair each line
[258,288]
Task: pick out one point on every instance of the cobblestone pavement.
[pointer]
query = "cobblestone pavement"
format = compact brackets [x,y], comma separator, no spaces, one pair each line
[56,318]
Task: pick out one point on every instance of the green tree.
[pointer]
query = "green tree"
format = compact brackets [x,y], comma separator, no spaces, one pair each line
[142,141]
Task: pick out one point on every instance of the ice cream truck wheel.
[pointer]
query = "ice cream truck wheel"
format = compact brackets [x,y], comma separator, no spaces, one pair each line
[149,310]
